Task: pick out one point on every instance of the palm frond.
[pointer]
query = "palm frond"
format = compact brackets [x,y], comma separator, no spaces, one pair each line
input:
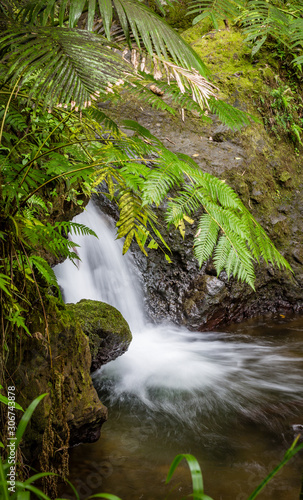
[187,80]
[64,71]
[137,21]
[163,41]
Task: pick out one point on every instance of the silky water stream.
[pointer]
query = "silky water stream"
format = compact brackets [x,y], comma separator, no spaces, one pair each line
[230,398]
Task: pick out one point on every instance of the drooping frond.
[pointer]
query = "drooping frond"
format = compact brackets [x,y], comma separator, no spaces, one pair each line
[67,66]
[242,241]
[44,269]
[137,21]
[163,41]
[229,115]
[187,80]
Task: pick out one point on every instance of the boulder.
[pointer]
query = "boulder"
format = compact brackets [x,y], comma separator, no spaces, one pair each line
[108,332]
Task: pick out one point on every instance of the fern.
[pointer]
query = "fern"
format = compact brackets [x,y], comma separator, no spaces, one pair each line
[216,10]
[205,238]
[14,119]
[74,227]
[230,116]
[44,269]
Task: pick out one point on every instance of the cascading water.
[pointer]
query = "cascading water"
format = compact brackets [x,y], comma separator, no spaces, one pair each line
[191,384]
[211,368]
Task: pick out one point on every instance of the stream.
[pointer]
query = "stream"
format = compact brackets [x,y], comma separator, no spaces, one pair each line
[233,399]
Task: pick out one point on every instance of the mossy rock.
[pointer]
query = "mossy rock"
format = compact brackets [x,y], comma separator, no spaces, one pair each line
[108,332]
[57,363]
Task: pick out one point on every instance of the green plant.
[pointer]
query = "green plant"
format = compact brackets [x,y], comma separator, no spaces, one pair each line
[260,20]
[9,465]
[282,112]
[195,472]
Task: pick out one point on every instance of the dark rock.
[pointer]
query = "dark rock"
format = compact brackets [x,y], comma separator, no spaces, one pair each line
[108,332]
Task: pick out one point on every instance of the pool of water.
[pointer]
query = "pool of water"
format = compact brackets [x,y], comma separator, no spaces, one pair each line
[236,417]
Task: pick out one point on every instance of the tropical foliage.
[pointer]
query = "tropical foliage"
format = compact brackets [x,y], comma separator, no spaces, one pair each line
[58,145]
[260,21]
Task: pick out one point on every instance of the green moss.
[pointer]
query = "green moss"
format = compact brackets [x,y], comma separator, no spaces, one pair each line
[230,62]
[93,314]
[285,176]
[108,332]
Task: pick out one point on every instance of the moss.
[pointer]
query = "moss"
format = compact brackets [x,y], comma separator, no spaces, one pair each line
[108,332]
[60,368]
[229,59]
[93,314]
[285,176]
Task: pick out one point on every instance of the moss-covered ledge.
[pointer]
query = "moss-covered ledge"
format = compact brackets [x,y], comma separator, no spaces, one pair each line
[108,332]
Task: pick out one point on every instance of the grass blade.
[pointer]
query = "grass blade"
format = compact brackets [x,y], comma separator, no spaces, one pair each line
[288,455]
[196,475]
[26,417]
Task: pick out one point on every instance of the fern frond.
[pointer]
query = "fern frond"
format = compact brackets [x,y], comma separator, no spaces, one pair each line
[99,116]
[230,116]
[74,227]
[216,10]
[261,19]
[13,118]
[44,269]
[205,238]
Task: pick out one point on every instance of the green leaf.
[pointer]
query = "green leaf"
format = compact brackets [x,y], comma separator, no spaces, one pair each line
[196,475]
[26,417]
[23,495]
[75,12]
[106,11]
[288,455]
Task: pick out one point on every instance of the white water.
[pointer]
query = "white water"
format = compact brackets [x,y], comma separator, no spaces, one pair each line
[168,368]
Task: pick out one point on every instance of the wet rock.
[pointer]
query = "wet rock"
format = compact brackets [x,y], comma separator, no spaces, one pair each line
[108,332]
[71,412]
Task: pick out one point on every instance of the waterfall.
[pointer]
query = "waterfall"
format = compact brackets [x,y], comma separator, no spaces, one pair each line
[167,368]
[102,274]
